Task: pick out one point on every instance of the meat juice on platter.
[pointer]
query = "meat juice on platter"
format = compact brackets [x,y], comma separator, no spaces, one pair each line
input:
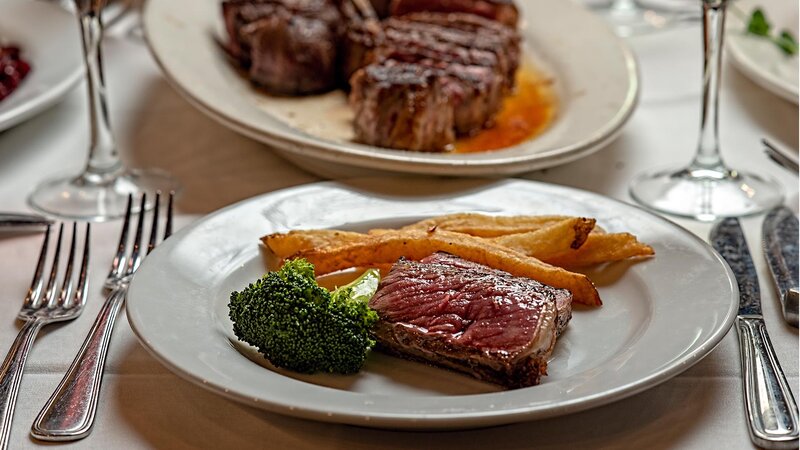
[434,76]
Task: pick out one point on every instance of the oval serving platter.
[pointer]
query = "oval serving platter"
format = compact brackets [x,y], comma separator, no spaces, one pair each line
[594,73]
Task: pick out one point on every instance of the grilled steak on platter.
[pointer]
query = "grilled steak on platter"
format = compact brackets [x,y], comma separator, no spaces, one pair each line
[403,106]
[460,62]
[288,47]
[462,316]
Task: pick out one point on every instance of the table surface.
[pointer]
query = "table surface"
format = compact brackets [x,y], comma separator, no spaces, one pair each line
[144,405]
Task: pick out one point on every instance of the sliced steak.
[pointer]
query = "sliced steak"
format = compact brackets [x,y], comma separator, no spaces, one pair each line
[463,316]
[474,59]
[489,35]
[404,106]
[503,11]
[448,38]
[288,46]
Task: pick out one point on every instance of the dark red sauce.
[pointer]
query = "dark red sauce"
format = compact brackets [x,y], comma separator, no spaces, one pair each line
[13,70]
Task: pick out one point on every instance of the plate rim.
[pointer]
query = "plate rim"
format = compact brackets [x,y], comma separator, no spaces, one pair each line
[463,419]
[365,157]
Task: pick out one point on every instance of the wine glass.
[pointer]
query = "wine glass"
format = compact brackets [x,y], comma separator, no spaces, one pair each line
[635,17]
[101,191]
[707,189]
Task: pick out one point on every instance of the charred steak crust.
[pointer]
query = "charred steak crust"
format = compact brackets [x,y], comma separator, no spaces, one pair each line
[402,106]
[473,60]
[462,316]
[287,46]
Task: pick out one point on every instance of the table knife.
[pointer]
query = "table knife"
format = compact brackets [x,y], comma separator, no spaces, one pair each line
[781,241]
[770,408]
[22,222]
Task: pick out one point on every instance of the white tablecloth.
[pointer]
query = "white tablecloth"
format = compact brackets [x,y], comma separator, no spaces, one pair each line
[144,405]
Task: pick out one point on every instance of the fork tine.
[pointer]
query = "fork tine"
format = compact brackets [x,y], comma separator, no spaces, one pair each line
[50,291]
[118,264]
[168,229]
[136,254]
[154,228]
[67,285]
[36,284]
[83,280]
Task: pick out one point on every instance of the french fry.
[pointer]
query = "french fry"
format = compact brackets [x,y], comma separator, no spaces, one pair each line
[549,241]
[483,225]
[284,245]
[601,248]
[416,244]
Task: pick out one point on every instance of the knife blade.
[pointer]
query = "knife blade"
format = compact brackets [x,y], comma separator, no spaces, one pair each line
[781,241]
[770,408]
[22,222]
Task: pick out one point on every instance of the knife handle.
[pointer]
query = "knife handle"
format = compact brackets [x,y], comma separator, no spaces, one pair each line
[769,405]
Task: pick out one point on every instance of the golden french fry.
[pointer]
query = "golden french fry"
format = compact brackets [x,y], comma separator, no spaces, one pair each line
[549,241]
[483,225]
[601,248]
[284,245]
[388,247]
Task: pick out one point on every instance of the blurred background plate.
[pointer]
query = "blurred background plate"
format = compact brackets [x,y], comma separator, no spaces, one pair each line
[758,58]
[594,73]
[49,38]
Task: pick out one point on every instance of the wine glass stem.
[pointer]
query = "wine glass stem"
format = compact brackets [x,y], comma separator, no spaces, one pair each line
[104,164]
[708,154]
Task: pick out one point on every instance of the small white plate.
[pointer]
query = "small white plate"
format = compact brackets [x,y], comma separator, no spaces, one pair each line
[659,317]
[594,72]
[758,58]
[50,41]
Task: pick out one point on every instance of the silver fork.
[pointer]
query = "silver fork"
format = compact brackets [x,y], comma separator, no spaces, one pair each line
[69,413]
[42,305]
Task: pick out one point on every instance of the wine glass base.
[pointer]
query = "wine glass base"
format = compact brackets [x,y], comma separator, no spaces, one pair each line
[706,195]
[636,21]
[78,198]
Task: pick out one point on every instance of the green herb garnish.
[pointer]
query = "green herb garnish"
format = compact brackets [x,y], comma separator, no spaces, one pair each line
[758,25]
[787,43]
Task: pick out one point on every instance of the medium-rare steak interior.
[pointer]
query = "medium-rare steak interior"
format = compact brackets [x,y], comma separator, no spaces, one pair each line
[463,316]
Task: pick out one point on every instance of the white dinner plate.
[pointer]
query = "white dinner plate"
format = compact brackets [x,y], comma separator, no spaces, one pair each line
[594,72]
[50,41]
[659,316]
[758,58]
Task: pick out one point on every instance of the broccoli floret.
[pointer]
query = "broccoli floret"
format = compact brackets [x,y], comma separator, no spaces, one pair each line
[301,326]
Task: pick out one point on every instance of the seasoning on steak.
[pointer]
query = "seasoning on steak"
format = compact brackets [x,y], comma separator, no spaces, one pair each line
[503,11]
[462,316]
[402,106]
[288,46]
[448,38]
[474,60]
